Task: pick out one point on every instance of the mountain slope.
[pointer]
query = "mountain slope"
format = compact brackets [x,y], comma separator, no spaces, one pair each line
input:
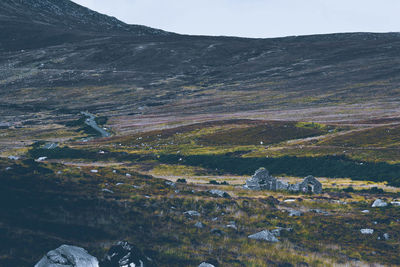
[75,58]
[33,23]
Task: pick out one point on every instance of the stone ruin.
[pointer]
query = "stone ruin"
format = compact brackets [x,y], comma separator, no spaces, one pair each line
[262,180]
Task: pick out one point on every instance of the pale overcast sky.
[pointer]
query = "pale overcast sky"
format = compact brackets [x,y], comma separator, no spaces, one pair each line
[255,18]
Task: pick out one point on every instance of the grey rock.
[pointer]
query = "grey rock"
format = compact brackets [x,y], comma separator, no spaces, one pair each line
[319,211]
[217,231]
[199,225]
[172,184]
[379,203]
[294,213]
[367,231]
[192,213]
[386,236]
[310,185]
[395,203]
[261,180]
[219,193]
[205,264]
[232,225]
[124,254]
[264,235]
[107,191]
[68,256]
[277,232]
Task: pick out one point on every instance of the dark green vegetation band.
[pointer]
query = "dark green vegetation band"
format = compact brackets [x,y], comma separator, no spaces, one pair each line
[326,166]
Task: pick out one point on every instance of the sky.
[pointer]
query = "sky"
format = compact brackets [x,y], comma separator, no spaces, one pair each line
[255,18]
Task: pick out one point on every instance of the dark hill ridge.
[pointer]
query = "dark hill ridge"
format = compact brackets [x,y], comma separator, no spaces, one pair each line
[27,22]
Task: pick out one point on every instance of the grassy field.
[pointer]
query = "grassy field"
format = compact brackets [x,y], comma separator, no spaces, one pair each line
[149,212]
[63,200]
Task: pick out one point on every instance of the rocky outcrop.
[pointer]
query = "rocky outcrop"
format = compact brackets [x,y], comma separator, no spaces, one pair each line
[124,254]
[264,235]
[379,203]
[68,256]
[262,180]
[367,231]
[219,193]
[199,225]
[309,185]
[192,213]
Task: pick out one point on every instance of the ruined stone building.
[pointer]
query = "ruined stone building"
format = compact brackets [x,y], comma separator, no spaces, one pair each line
[262,180]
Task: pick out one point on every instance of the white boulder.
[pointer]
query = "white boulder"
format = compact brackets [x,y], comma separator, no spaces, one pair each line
[367,231]
[379,203]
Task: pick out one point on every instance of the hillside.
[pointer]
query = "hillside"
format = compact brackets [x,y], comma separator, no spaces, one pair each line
[37,23]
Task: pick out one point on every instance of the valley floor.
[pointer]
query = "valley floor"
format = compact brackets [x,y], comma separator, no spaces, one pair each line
[93,192]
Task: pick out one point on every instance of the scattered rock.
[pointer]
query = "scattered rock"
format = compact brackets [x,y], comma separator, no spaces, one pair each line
[277,232]
[232,225]
[205,264]
[128,175]
[41,159]
[264,235]
[294,213]
[107,191]
[199,225]
[289,200]
[365,211]
[262,180]
[13,157]
[192,213]
[395,203]
[367,231]
[217,231]
[379,203]
[124,254]
[219,193]
[68,256]
[319,211]
[172,184]
[386,236]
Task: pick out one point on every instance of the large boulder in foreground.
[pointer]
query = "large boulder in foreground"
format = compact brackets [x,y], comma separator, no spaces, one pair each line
[124,254]
[68,256]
